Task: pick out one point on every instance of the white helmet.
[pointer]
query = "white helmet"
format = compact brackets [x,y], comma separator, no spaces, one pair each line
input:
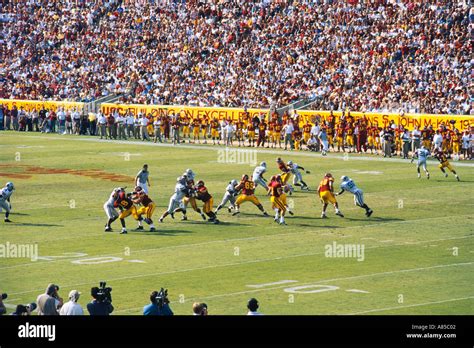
[263,164]
[344,178]
[189,173]
[234,182]
[10,186]
[290,163]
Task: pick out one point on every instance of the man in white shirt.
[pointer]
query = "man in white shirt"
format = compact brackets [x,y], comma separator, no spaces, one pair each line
[144,129]
[76,121]
[72,307]
[315,130]
[415,139]
[120,121]
[102,121]
[129,120]
[288,129]
[252,306]
[438,141]
[62,121]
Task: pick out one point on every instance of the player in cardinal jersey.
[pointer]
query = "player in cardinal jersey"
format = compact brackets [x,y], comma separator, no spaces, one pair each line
[147,208]
[248,188]
[444,163]
[297,176]
[275,190]
[5,195]
[125,204]
[110,210]
[257,176]
[326,194]
[423,155]
[203,195]
[347,184]
[190,196]
[285,173]
[229,196]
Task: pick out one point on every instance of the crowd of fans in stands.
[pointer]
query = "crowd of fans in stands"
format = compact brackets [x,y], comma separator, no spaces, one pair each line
[393,55]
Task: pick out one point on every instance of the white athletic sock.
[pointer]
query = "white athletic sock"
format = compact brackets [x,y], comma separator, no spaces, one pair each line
[282,219]
[140,223]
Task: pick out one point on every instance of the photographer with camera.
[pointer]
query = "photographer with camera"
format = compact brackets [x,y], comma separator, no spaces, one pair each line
[159,304]
[102,302]
[3,309]
[72,307]
[49,302]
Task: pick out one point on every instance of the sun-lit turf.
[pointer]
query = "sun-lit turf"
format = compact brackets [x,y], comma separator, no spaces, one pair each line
[408,266]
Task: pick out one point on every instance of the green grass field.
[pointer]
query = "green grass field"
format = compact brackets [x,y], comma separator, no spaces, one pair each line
[419,248]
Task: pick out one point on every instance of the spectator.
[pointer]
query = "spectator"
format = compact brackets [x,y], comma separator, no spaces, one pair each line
[3,309]
[24,310]
[156,307]
[99,306]
[72,307]
[49,302]
[252,306]
[200,308]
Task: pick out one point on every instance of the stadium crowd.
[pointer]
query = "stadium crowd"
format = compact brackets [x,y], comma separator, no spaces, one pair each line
[393,55]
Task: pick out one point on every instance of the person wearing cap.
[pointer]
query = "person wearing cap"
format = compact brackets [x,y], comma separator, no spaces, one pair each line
[49,302]
[252,306]
[72,307]
[200,308]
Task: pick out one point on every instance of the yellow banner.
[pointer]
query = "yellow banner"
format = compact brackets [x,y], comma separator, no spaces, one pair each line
[409,121]
[29,105]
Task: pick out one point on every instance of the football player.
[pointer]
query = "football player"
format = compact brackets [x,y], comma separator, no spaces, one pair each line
[257,176]
[297,176]
[203,195]
[110,210]
[285,173]
[147,208]
[248,188]
[190,196]
[443,163]
[275,189]
[347,184]
[326,194]
[229,196]
[176,200]
[5,195]
[127,208]
[422,154]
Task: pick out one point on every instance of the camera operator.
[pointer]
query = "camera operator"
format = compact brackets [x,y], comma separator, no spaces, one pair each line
[72,307]
[200,308]
[159,304]
[49,302]
[3,309]
[101,304]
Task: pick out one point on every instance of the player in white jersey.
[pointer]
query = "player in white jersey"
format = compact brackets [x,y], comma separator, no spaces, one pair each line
[5,195]
[422,154]
[297,176]
[110,210]
[257,176]
[176,200]
[229,196]
[347,184]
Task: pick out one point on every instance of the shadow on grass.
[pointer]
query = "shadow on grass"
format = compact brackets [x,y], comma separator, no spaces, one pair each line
[34,225]
[19,214]
[382,219]
[158,232]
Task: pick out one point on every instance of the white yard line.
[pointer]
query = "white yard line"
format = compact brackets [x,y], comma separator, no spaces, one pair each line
[258,286]
[319,282]
[409,306]
[263,151]
[293,234]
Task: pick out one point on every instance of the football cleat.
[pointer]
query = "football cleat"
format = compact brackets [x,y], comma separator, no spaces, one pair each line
[7,220]
[203,217]
[339,214]
[265,213]
[184,218]
[419,175]
[139,228]
[323,216]
[283,223]
[445,175]
[369,212]
[172,215]
[291,213]
[457,178]
[235,213]
[161,220]
[428,176]
[108,229]
[152,229]
[124,231]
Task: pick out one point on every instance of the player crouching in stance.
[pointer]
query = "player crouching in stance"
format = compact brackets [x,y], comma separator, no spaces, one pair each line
[190,195]
[423,155]
[203,195]
[125,204]
[147,208]
[347,184]
[248,189]
[325,191]
[229,196]
[110,210]
[444,163]
[176,200]
[5,195]
[275,189]
[297,176]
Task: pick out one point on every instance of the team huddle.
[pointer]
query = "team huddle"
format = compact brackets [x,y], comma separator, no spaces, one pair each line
[191,192]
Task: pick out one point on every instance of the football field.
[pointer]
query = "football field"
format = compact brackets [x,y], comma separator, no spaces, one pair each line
[414,255]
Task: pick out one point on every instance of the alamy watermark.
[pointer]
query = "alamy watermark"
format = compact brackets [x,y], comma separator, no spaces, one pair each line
[345,250]
[12,250]
[237,156]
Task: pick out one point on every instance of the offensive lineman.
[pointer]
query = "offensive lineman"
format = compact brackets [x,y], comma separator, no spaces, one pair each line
[110,210]
[5,195]
[248,194]
[229,196]
[347,184]
[147,208]
[176,200]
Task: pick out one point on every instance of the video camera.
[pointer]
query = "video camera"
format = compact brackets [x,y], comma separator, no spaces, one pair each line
[103,293]
[162,298]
